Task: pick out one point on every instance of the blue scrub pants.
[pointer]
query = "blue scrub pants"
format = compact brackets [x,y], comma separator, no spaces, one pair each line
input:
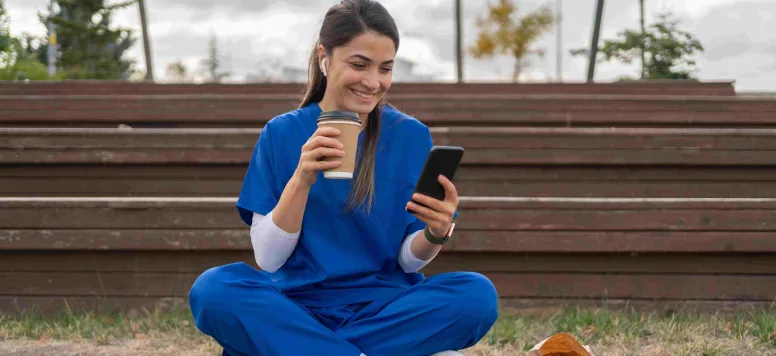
[246,315]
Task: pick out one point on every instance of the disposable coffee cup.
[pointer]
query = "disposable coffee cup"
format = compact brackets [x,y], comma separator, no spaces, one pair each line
[349,125]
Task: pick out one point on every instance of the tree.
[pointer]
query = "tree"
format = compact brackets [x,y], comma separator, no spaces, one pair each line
[17,55]
[667,51]
[177,72]
[499,33]
[87,46]
[212,65]
[5,35]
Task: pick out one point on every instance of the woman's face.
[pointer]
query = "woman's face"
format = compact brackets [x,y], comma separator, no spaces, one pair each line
[359,73]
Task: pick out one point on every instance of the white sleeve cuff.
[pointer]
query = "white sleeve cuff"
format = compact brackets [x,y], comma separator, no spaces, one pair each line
[271,245]
[407,260]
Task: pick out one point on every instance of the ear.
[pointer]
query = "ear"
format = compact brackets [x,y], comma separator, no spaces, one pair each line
[322,59]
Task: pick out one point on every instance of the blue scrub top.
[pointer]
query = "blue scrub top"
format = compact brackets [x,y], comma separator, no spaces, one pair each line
[341,258]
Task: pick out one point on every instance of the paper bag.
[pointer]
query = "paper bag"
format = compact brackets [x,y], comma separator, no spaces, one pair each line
[561,344]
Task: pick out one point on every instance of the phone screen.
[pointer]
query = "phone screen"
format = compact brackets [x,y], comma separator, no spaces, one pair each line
[442,160]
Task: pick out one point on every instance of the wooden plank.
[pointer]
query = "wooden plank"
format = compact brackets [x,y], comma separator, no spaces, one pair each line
[613,241]
[517,203]
[435,117]
[49,306]
[143,171]
[524,174]
[429,100]
[234,106]
[505,157]
[474,137]
[478,213]
[530,285]
[107,187]
[98,284]
[163,104]
[673,87]
[619,220]
[466,240]
[139,261]
[126,156]
[471,180]
[105,138]
[552,305]
[53,305]
[485,146]
[192,187]
[613,157]
[567,174]
[434,109]
[119,213]
[625,263]
[641,286]
[490,156]
[612,189]
[138,239]
[609,138]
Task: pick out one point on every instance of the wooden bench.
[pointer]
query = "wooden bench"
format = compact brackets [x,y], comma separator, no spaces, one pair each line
[84,87]
[652,253]
[253,111]
[523,162]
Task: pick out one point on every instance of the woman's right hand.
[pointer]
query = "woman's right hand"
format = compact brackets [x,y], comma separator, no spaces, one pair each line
[321,144]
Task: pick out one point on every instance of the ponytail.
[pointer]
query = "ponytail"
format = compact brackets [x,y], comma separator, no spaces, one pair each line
[316,81]
[362,189]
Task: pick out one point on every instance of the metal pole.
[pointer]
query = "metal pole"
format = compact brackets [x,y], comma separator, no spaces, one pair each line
[594,42]
[458,45]
[51,51]
[559,49]
[641,43]
[146,42]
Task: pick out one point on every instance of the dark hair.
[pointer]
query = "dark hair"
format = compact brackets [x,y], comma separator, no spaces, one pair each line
[342,23]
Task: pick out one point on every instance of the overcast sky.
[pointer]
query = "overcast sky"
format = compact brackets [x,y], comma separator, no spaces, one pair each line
[739,36]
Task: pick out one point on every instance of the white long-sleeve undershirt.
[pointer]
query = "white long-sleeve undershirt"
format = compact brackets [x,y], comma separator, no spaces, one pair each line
[272,246]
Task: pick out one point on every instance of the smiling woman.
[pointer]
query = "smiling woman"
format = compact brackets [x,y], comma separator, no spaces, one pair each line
[340,259]
[350,69]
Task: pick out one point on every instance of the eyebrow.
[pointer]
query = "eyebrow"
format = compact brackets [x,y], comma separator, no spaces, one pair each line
[367,59]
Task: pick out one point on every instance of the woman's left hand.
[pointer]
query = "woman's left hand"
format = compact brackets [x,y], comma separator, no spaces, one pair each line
[437,214]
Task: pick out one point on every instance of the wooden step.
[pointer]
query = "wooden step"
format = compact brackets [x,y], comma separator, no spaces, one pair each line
[254,110]
[489,146]
[521,162]
[500,224]
[132,252]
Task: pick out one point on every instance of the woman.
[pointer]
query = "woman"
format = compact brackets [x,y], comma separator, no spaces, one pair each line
[340,258]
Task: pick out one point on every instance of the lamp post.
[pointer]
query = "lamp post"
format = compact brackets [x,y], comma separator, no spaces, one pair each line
[559,46]
[458,45]
[594,42]
[146,42]
[51,50]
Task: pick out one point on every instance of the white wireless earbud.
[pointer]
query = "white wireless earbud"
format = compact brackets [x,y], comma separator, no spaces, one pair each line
[323,67]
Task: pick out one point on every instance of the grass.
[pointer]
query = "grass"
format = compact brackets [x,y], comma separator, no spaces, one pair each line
[607,332]
[632,333]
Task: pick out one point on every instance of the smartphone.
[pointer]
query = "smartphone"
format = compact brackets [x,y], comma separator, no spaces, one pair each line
[441,160]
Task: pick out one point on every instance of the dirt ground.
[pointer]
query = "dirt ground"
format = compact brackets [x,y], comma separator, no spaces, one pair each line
[182,346]
[136,347]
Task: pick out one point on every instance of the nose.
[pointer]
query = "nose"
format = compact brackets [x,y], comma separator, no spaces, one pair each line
[371,81]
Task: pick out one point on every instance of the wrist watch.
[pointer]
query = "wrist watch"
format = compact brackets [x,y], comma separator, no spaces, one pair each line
[439,240]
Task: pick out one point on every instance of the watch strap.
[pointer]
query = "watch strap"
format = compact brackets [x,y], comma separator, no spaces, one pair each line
[439,240]
[432,239]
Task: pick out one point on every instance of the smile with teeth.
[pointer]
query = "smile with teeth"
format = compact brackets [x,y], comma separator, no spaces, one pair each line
[363,95]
